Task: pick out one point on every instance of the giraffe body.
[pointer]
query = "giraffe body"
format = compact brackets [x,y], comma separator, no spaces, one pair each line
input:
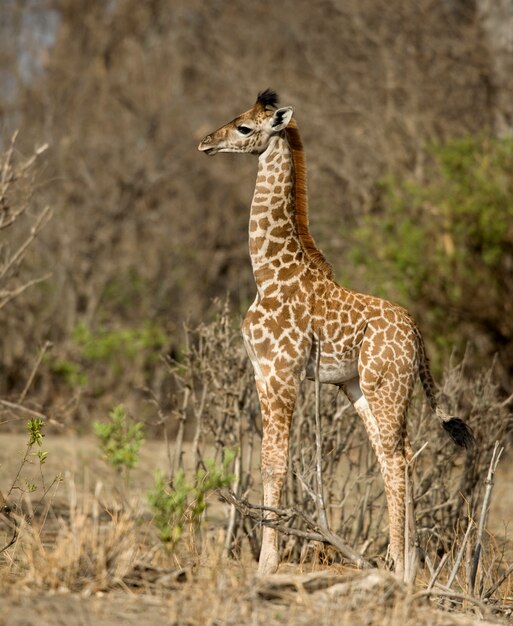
[369,347]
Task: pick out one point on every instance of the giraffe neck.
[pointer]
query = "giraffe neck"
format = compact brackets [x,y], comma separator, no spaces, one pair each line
[280,242]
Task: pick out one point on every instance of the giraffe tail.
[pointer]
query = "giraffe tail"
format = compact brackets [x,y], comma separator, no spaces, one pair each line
[456,428]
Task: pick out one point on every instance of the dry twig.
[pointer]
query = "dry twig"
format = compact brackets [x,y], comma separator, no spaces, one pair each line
[315,533]
[321,506]
[496,455]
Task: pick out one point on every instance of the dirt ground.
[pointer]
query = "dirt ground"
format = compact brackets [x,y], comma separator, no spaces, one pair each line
[57,610]
[214,591]
[235,600]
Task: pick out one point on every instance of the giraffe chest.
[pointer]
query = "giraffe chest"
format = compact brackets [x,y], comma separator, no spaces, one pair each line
[285,337]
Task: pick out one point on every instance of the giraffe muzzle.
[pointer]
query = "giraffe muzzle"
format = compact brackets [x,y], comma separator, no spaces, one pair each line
[206,147]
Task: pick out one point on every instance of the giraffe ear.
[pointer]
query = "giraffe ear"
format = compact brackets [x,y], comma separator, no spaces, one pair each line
[281,118]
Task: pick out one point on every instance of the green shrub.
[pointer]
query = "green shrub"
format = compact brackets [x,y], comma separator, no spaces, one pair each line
[69,371]
[116,346]
[120,439]
[104,353]
[35,428]
[444,246]
[182,503]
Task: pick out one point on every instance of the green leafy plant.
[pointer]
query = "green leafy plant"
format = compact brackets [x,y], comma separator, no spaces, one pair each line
[180,504]
[120,439]
[443,245]
[115,346]
[35,438]
[95,359]
[35,430]
[69,371]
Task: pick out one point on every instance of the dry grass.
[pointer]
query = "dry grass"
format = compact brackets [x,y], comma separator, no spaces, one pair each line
[92,556]
[92,536]
[81,547]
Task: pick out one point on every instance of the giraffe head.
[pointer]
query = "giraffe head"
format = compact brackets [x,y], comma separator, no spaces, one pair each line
[251,131]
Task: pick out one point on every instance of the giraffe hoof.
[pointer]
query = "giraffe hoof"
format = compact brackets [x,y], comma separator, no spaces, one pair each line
[267,565]
[398,570]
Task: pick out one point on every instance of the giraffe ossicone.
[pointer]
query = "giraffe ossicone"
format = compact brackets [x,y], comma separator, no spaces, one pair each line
[369,347]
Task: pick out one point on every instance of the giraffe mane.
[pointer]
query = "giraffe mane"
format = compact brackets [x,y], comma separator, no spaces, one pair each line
[301,201]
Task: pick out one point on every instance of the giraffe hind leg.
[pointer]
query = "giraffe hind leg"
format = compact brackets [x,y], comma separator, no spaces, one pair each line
[392,462]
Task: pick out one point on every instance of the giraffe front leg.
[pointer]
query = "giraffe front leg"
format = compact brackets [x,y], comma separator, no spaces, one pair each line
[277,407]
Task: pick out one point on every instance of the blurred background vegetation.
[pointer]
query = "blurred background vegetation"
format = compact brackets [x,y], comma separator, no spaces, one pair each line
[406,114]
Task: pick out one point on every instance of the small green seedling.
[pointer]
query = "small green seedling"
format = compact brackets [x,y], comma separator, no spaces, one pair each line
[120,439]
[182,504]
[35,437]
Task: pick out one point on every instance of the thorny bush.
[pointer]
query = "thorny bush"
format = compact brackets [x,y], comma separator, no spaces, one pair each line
[216,392]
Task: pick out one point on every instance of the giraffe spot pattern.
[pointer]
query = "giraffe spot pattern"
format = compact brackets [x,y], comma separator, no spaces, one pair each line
[371,348]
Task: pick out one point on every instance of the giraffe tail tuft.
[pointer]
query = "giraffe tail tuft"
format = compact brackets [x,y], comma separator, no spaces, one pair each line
[459,432]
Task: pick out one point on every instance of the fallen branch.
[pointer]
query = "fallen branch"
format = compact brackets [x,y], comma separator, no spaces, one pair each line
[498,583]
[437,571]
[283,516]
[18,407]
[451,595]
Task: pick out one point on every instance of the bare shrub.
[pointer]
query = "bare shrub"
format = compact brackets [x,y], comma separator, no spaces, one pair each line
[21,223]
[218,394]
[123,90]
[442,502]
[16,188]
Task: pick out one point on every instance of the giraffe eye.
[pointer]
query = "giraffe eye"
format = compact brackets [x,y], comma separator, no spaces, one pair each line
[244,130]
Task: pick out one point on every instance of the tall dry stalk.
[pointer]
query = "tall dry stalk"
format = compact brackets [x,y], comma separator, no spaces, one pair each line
[319,495]
[485,509]
[82,548]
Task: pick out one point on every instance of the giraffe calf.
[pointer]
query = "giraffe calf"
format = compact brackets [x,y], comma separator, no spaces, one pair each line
[303,322]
